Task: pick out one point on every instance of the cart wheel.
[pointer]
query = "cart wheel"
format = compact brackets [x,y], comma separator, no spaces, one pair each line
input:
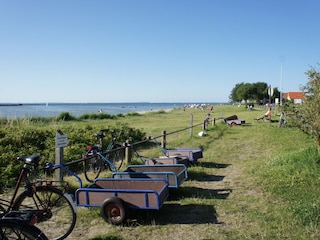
[233,124]
[112,210]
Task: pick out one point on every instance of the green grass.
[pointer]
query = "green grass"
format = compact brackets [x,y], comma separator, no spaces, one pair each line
[256,181]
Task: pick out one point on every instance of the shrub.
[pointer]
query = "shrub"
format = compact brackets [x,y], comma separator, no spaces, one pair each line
[65,116]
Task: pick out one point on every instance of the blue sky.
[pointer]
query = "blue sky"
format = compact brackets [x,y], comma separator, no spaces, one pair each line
[153,50]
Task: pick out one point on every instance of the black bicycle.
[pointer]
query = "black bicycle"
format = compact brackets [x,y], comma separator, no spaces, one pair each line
[94,163]
[56,212]
[19,225]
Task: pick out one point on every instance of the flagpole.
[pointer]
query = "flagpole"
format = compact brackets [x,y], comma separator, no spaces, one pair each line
[281,88]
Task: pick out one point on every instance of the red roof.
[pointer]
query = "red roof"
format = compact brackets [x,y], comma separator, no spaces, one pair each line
[294,95]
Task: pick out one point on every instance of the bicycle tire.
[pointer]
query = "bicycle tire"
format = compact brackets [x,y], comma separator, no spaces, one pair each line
[92,168]
[116,156]
[18,230]
[2,210]
[59,216]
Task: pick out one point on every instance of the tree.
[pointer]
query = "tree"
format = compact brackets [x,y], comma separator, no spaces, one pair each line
[235,94]
[307,115]
[260,91]
[252,91]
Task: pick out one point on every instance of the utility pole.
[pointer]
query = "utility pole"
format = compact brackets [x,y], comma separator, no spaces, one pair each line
[281,87]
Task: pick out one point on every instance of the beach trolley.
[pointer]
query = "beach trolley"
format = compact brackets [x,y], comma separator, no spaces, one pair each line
[193,154]
[115,196]
[167,160]
[234,121]
[173,174]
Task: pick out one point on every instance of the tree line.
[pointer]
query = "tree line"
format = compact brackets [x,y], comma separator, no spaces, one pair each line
[253,92]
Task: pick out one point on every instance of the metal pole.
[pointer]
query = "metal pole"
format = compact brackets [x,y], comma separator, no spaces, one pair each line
[191,125]
[281,88]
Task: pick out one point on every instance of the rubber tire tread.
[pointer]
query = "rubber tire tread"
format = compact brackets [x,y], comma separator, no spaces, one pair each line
[119,204]
[86,172]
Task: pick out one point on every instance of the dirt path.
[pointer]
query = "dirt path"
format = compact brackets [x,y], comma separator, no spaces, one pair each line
[216,201]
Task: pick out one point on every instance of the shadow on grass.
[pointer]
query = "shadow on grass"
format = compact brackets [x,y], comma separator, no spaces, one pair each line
[175,214]
[195,192]
[213,165]
[203,177]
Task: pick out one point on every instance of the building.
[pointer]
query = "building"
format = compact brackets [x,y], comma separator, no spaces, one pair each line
[296,97]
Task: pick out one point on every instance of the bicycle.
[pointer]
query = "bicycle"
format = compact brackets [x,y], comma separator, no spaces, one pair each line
[19,225]
[95,162]
[57,215]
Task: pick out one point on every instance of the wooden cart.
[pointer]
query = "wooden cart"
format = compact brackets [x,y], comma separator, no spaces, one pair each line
[193,154]
[115,196]
[173,174]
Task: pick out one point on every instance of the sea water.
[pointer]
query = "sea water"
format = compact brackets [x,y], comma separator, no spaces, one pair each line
[77,109]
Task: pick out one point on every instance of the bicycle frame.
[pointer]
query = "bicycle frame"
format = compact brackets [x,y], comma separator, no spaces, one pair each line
[110,156]
[51,166]
[43,197]
[92,153]
[28,161]
[100,136]
[64,167]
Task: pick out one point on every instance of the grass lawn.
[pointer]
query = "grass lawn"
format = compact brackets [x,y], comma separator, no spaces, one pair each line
[255,181]
[232,193]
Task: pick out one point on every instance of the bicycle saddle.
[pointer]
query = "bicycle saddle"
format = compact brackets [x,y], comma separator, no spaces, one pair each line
[31,159]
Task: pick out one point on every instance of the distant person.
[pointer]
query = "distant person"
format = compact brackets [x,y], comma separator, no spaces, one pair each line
[282,120]
[267,115]
[207,120]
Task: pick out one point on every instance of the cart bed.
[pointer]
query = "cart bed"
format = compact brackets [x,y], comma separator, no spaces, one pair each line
[174,174]
[136,193]
[193,154]
[167,160]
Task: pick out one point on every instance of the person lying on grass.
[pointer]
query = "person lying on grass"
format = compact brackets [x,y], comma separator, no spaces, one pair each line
[267,115]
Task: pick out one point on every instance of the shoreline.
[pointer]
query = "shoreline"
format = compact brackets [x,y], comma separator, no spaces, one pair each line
[150,111]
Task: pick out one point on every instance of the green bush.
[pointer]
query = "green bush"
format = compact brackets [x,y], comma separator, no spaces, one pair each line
[96,116]
[37,139]
[65,116]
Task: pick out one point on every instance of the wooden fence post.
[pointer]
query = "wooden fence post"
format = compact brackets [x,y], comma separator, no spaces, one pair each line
[164,140]
[191,125]
[128,153]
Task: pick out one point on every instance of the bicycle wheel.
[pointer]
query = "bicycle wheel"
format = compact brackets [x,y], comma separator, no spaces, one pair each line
[17,230]
[58,214]
[2,210]
[116,157]
[92,168]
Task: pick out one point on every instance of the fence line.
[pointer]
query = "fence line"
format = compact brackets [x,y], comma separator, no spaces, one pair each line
[127,148]
[164,135]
